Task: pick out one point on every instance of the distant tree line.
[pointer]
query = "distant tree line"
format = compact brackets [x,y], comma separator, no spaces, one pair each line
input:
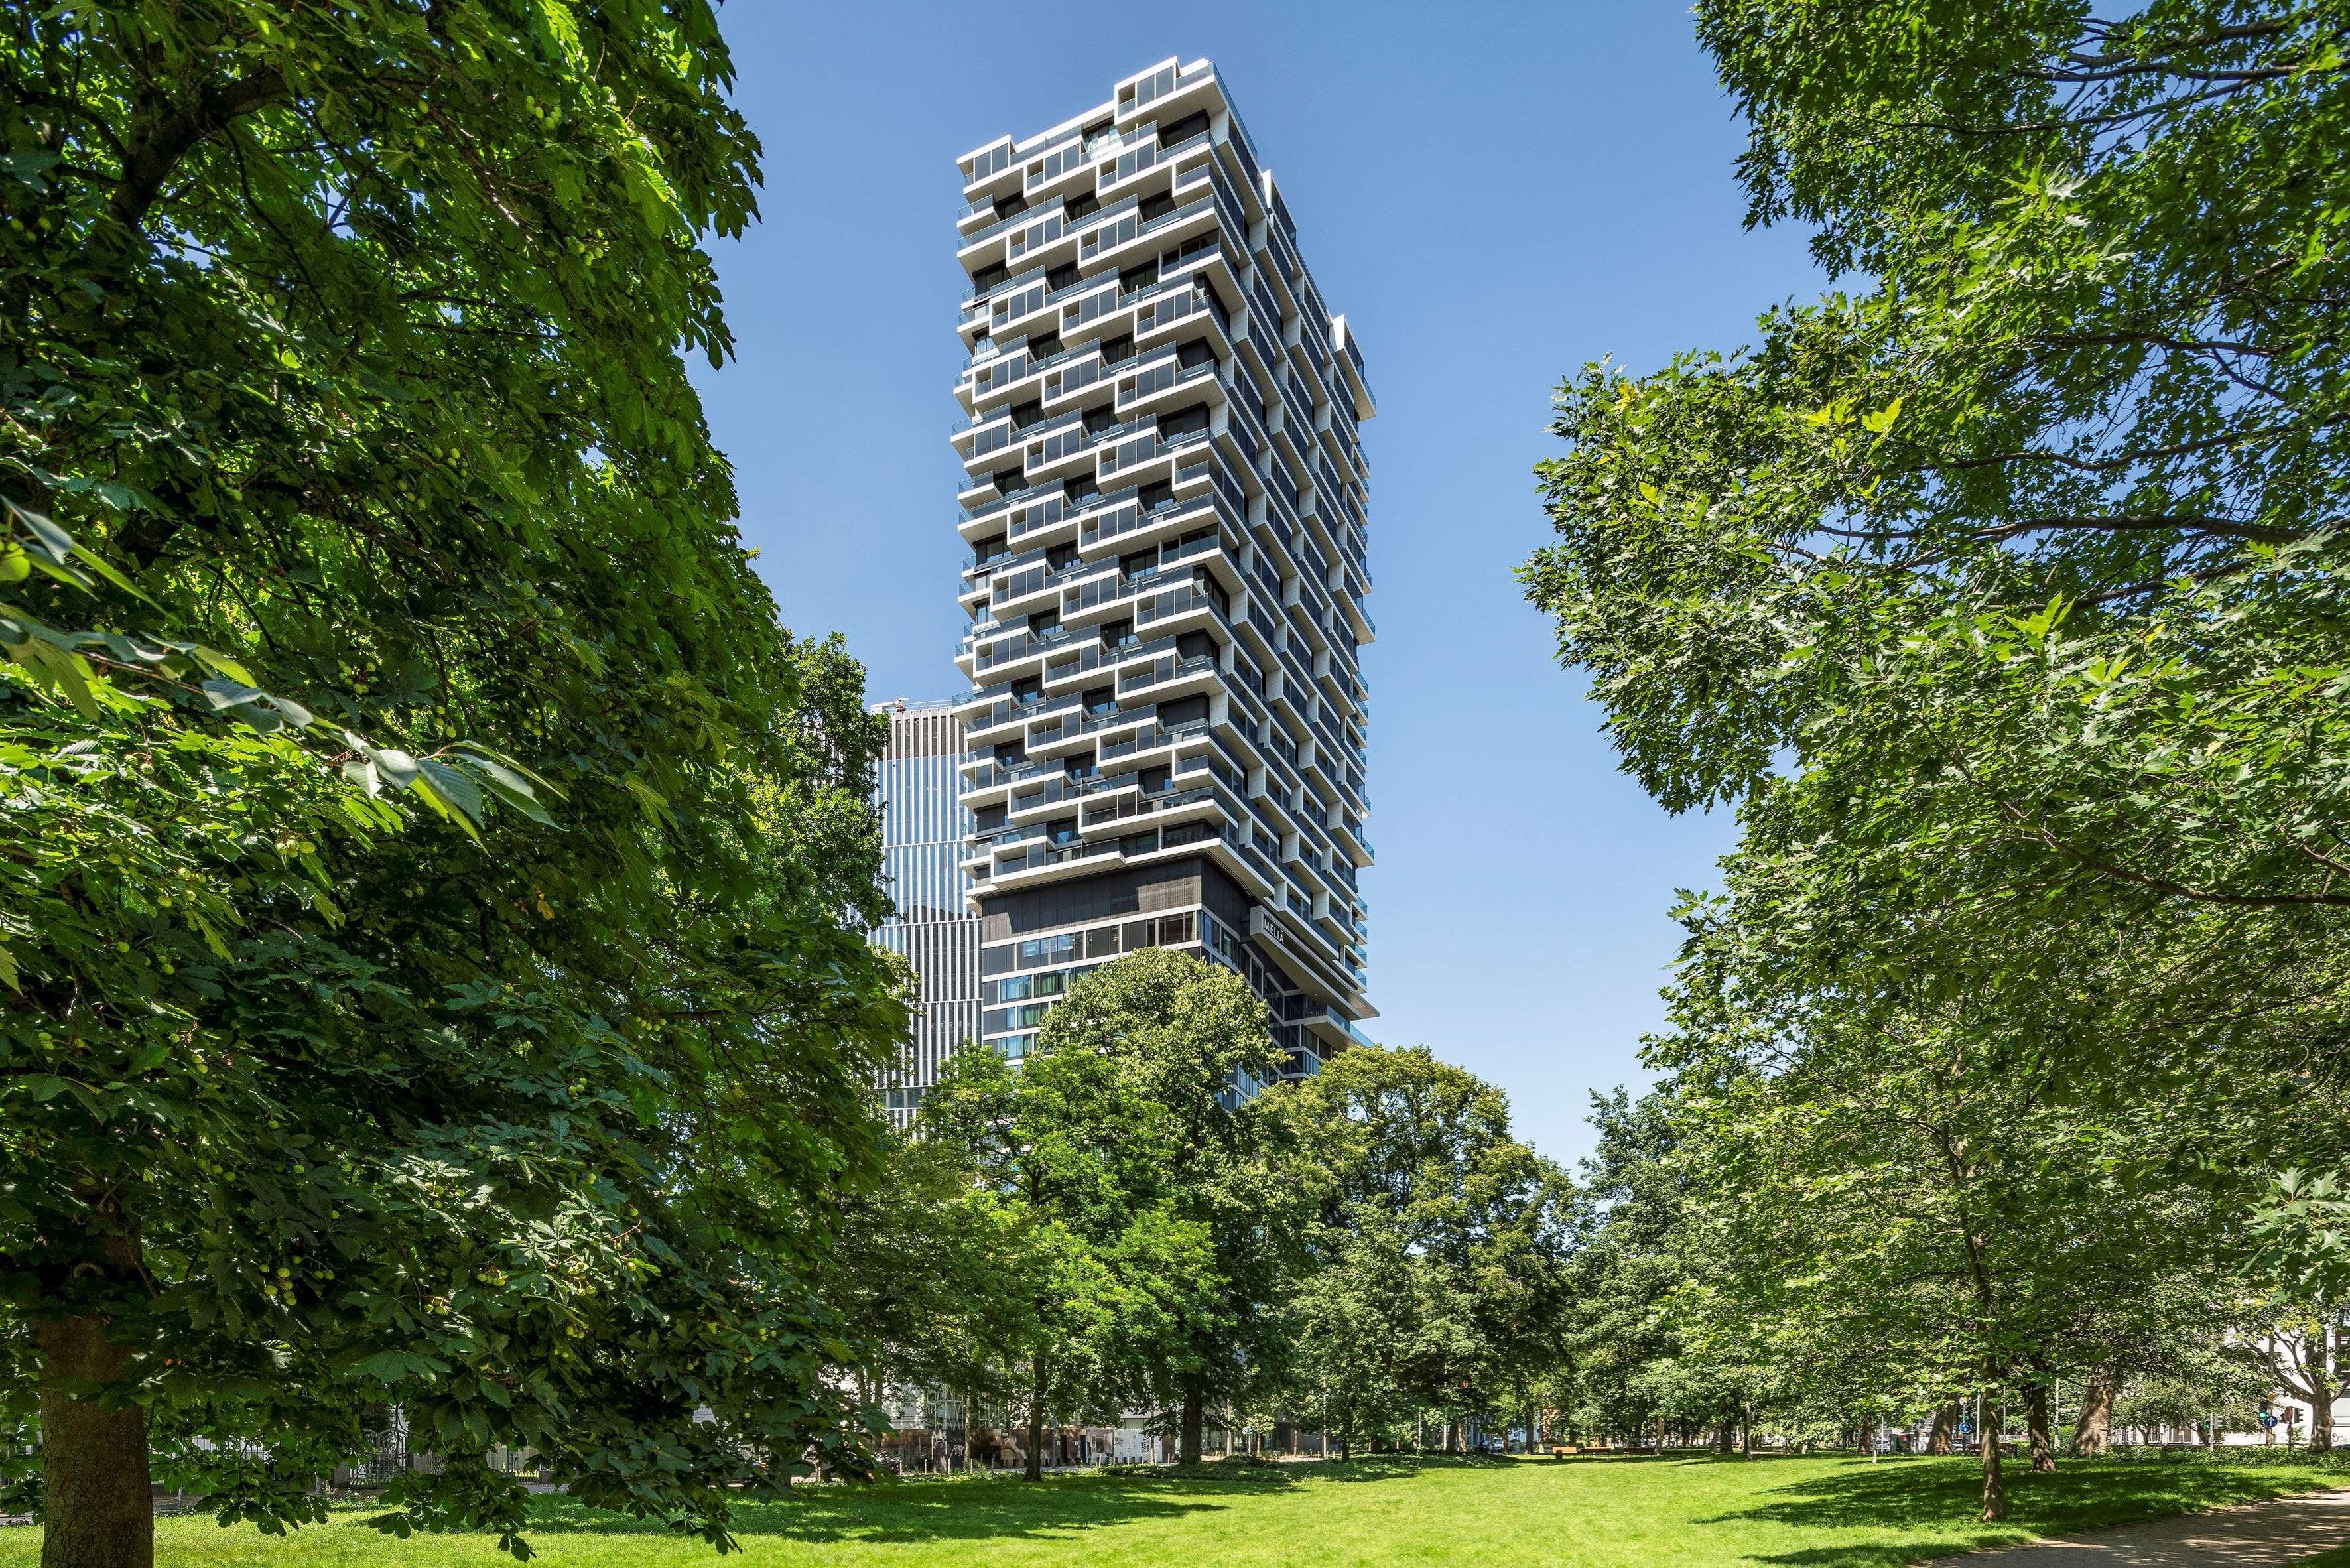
[1119,1223]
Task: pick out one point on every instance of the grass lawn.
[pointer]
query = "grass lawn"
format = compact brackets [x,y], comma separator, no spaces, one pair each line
[1575,1513]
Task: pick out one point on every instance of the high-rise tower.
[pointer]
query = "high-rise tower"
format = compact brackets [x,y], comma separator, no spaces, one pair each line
[924,827]
[1165,506]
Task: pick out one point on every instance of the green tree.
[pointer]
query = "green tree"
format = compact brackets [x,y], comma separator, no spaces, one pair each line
[1929,1209]
[2300,1326]
[1116,1162]
[348,1060]
[1998,596]
[918,1276]
[1431,1216]
[2002,598]
[1354,1314]
[1190,1042]
[1627,1363]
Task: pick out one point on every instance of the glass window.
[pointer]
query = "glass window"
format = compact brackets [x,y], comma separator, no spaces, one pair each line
[1183,130]
[1037,951]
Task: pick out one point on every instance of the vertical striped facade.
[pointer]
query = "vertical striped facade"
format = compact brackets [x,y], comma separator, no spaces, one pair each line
[923,828]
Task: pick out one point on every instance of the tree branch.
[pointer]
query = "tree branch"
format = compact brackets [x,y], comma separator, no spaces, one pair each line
[157,150]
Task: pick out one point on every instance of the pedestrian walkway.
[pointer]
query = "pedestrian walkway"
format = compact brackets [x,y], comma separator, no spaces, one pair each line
[2257,1535]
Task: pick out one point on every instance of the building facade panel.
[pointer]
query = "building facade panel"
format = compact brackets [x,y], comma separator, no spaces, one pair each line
[1164,496]
[924,827]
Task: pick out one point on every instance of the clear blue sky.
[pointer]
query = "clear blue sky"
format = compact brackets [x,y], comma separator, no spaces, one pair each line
[1493,194]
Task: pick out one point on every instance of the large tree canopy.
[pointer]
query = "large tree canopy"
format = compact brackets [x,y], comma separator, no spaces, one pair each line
[347,339]
[2003,596]
[2006,598]
[1142,1224]
[1438,1242]
[2034,541]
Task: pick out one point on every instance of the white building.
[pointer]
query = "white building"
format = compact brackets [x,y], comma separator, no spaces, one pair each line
[1164,499]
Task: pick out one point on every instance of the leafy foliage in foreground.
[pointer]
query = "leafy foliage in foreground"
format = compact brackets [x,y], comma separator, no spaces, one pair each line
[339,1072]
[2005,601]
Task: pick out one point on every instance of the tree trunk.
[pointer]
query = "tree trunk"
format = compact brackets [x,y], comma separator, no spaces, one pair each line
[98,1510]
[1994,1492]
[1035,1469]
[2093,1428]
[2035,1419]
[1721,1435]
[1939,1436]
[1194,1414]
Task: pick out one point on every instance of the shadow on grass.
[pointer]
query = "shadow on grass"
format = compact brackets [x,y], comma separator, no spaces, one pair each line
[1942,1499]
[933,1509]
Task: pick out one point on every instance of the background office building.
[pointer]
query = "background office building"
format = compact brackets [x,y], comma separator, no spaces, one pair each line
[1164,500]
[924,827]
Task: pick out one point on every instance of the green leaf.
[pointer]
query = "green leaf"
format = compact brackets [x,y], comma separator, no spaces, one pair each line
[54,540]
[455,786]
[398,1365]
